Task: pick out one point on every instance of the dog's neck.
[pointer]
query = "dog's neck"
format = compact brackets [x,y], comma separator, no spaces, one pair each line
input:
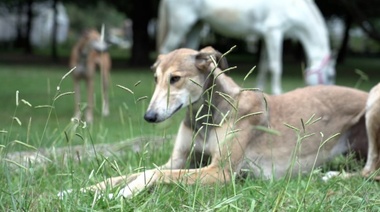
[212,105]
[86,46]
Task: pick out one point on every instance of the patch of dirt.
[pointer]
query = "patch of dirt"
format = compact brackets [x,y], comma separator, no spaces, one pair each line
[79,152]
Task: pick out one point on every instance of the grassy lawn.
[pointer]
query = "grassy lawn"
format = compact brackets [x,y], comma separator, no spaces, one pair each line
[41,122]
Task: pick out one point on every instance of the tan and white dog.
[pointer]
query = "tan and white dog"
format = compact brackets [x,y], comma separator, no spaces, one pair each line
[243,131]
[89,52]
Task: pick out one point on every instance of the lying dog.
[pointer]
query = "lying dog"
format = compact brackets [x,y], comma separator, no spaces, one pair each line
[243,131]
[90,51]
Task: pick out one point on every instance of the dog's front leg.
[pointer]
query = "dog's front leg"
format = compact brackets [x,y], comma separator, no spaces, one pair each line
[102,186]
[207,175]
[173,170]
[181,150]
[227,150]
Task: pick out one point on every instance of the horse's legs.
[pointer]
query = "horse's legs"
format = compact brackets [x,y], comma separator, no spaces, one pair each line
[177,30]
[193,38]
[263,68]
[273,42]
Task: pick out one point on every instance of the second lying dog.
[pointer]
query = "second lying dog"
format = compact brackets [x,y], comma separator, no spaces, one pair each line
[243,131]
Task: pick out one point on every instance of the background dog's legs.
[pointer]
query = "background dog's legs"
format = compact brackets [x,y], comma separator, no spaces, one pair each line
[90,88]
[90,100]
[77,113]
[105,67]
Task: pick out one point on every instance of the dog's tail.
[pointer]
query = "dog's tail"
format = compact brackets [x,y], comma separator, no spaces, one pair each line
[162,24]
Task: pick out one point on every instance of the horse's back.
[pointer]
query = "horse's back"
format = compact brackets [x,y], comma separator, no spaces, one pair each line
[246,16]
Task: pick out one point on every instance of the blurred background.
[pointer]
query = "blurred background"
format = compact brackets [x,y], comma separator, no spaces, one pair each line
[40,31]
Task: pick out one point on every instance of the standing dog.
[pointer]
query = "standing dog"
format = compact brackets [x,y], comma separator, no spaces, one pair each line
[90,51]
[243,131]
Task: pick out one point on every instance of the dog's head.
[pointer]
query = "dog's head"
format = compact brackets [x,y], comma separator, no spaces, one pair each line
[95,40]
[180,76]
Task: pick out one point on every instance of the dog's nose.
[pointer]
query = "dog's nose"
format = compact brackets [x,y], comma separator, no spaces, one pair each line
[150,116]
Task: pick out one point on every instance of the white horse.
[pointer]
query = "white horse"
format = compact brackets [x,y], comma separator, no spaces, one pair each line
[270,19]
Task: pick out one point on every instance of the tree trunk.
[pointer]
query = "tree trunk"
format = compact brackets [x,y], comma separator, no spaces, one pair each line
[54,53]
[24,28]
[362,19]
[29,22]
[346,37]
[140,17]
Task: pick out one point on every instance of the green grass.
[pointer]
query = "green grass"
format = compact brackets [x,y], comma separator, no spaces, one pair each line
[43,120]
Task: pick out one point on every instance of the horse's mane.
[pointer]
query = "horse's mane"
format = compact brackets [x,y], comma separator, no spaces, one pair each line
[315,11]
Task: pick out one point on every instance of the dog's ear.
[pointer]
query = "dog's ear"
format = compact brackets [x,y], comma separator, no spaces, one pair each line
[208,49]
[203,61]
[155,64]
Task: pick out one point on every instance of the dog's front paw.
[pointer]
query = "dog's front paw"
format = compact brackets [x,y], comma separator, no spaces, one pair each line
[330,174]
[125,192]
[61,194]
[141,182]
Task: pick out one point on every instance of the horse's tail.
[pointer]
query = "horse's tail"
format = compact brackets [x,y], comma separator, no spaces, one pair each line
[162,24]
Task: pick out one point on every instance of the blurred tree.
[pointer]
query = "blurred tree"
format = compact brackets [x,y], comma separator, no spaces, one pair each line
[54,52]
[23,34]
[140,12]
[140,16]
[362,13]
[25,15]
[93,15]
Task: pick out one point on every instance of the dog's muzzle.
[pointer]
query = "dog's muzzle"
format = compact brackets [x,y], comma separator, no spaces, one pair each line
[153,117]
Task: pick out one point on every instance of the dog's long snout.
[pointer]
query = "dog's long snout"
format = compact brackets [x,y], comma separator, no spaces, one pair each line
[150,116]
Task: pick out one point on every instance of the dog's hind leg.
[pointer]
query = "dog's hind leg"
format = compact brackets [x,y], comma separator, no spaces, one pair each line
[373,130]
[90,91]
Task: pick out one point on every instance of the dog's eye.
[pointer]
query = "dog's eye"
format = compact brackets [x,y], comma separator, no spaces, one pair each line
[155,79]
[174,79]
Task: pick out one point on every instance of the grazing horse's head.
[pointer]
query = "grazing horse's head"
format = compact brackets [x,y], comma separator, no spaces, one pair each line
[324,73]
